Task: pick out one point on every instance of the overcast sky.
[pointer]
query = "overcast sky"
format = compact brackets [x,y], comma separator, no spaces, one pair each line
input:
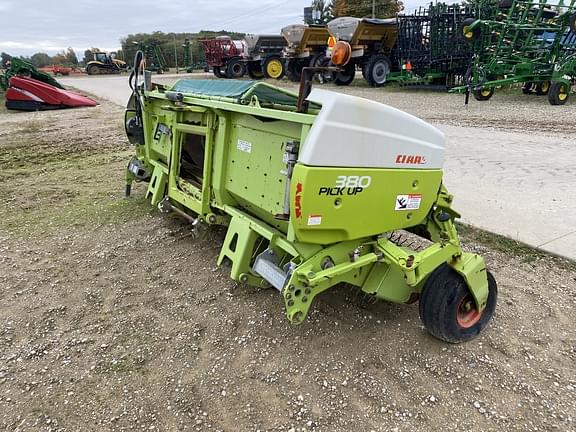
[30,26]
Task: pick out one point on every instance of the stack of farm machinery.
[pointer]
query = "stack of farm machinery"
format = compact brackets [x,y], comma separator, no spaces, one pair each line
[410,49]
[473,47]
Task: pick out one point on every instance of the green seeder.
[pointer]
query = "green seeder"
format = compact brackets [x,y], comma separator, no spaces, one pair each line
[311,188]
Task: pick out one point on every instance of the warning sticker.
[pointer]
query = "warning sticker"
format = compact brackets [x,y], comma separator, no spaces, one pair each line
[244,146]
[408,202]
[314,219]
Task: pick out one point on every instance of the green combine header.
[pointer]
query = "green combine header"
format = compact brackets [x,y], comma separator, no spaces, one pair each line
[314,189]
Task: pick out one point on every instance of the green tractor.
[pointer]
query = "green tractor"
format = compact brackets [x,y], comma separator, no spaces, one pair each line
[314,189]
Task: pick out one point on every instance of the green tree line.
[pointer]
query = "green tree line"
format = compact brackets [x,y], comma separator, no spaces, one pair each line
[40,59]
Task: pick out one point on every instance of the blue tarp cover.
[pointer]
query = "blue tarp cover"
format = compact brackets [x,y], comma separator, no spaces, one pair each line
[235,89]
[222,88]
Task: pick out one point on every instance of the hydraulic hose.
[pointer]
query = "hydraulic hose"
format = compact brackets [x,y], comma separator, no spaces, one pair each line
[133,83]
[133,80]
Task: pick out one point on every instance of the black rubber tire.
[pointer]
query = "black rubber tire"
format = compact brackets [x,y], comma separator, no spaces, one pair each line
[365,71]
[528,88]
[266,64]
[573,23]
[217,72]
[542,88]
[442,295]
[472,36]
[235,68]
[346,75]
[254,69]
[316,60]
[92,70]
[323,61]
[377,70]
[294,69]
[483,94]
[558,94]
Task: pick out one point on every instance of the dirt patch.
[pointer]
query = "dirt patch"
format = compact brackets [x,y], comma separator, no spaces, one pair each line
[116,318]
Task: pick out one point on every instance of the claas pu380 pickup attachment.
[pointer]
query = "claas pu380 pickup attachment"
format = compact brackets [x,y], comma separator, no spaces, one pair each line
[313,188]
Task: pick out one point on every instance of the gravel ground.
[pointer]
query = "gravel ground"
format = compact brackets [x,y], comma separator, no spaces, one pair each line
[116,318]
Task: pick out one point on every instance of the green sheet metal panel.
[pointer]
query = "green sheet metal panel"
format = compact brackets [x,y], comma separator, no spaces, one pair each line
[256,169]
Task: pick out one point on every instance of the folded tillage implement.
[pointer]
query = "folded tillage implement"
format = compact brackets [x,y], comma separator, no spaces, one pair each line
[430,49]
[313,189]
[529,42]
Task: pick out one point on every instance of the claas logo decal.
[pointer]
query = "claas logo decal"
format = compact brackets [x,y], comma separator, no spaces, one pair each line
[346,185]
[410,159]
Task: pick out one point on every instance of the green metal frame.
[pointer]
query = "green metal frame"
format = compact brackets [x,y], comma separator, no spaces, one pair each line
[22,67]
[245,191]
[510,47]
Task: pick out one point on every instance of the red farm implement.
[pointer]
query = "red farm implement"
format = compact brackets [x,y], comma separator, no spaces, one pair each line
[224,56]
[56,70]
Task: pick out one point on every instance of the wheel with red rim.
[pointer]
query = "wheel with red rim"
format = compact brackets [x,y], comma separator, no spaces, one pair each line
[467,314]
[448,309]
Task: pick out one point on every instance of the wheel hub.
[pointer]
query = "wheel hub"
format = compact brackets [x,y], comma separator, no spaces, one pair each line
[274,68]
[467,314]
[380,73]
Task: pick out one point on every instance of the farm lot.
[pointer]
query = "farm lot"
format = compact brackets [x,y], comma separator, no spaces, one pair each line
[116,318]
